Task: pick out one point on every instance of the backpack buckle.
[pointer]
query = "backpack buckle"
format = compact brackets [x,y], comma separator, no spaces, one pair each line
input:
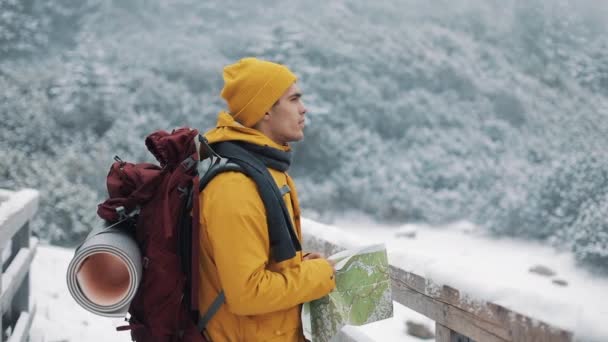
[188,163]
[122,213]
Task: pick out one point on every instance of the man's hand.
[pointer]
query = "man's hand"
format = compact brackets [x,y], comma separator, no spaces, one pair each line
[315,255]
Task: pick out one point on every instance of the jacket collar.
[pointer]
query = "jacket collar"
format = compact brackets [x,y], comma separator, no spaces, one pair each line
[228,129]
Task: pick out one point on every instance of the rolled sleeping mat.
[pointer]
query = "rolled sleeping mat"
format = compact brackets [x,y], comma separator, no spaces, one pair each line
[105,272]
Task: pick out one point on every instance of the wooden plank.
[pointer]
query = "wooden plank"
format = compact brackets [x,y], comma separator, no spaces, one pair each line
[442,304]
[15,275]
[476,319]
[21,300]
[21,331]
[445,334]
[1,327]
[489,317]
[16,211]
[445,315]
[442,333]
[6,253]
[22,237]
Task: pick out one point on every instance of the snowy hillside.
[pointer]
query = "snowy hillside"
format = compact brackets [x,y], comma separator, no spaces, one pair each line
[495,270]
[488,111]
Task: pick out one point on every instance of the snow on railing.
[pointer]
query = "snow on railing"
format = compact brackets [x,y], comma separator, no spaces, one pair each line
[17,249]
[457,316]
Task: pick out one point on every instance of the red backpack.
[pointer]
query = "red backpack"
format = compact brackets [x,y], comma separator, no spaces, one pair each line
[159,205]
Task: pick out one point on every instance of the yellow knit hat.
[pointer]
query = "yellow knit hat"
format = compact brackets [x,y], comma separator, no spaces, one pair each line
[252,86]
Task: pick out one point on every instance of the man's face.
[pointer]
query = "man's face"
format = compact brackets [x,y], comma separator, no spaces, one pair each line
[285,120]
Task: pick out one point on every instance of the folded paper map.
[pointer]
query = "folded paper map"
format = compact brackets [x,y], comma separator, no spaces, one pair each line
[362,294]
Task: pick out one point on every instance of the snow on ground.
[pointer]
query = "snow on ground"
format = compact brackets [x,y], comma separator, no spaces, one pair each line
[58,317]
[488,269]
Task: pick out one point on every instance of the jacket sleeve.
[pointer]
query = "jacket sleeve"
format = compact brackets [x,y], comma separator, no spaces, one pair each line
[238,235]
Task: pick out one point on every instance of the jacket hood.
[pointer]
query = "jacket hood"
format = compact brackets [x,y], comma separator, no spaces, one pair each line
[228,129]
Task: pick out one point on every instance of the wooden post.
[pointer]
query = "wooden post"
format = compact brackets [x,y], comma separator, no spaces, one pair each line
[1,315]
[21,301]
[442,333]
[445,334]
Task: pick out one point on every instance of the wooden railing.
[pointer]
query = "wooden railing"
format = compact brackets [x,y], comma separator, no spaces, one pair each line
[17,249]
[457,319]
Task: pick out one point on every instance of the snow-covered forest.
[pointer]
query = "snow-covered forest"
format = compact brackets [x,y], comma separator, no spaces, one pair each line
[429,112]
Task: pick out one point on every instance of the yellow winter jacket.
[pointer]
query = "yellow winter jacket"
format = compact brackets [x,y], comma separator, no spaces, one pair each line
[262,297]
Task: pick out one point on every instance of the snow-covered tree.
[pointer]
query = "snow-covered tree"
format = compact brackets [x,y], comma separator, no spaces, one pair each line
[492,111]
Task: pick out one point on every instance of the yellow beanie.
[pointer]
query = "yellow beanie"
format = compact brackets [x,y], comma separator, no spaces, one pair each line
[252,86]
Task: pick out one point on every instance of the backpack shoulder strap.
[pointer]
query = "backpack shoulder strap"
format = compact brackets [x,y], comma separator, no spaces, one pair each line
[204,319]
[218,166]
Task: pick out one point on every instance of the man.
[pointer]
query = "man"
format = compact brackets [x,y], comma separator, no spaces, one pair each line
[259,266]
